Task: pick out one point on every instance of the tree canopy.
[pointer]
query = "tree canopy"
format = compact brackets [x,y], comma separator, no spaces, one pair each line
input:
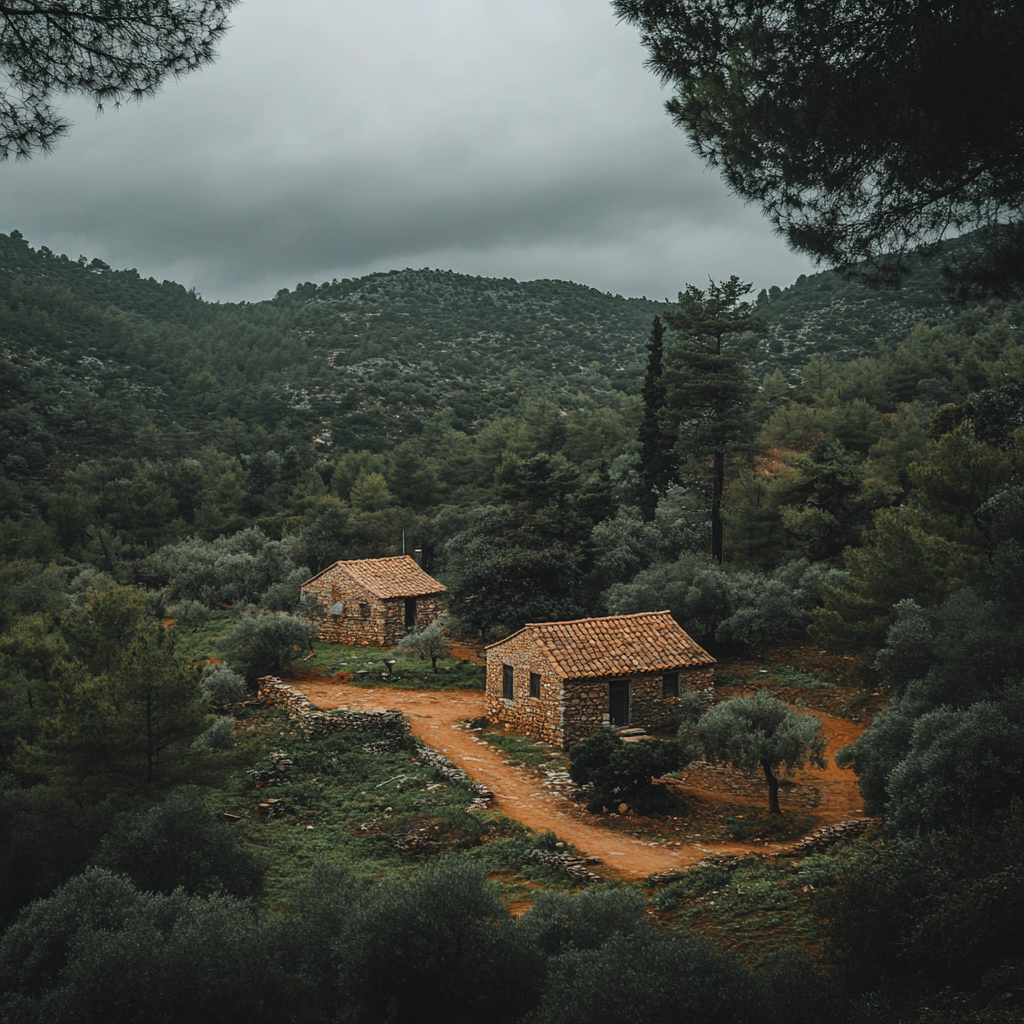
[760,731]
[706,386]
[108,51]
[861,129]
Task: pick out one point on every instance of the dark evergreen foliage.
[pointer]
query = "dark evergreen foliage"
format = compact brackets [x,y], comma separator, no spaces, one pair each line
[862,130]
[657,463]
[109,52]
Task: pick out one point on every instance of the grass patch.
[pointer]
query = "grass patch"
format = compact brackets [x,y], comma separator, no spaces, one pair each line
[518,750]
[729,679]
[794,678]
[755,824]
[204,643]
[750,908]
[379,815]
[368,666]
[755,907]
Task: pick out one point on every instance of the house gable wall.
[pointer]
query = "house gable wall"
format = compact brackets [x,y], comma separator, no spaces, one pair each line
[570,710]
[539,717]
[380,622]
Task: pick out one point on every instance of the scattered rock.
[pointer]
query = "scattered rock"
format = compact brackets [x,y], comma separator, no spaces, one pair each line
[574,867]
[453,773]
[830,835]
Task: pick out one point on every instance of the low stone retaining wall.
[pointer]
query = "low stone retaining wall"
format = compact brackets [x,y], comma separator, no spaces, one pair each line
[825,837]
[574,867]
[391,725]
[721,778]
[830,835]
[453,773]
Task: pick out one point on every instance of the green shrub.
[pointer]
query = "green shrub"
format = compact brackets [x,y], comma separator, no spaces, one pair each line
[623,772]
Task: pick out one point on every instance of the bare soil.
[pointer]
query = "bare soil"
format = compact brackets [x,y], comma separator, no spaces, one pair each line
[439,718]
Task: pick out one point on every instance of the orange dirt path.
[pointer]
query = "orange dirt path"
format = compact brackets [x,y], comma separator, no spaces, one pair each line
[438,716]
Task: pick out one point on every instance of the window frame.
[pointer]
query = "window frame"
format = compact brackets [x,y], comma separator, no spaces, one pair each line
[508,681]
[534,684]
[669,683]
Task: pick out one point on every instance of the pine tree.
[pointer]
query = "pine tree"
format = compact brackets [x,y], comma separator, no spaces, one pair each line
[657,464]
[707,390]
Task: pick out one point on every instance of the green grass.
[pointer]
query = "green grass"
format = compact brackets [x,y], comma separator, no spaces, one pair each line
[743,907]
[362,807]
[762,903]
[368,666]
[203,643]
[792,678]
[518,750]
[729,679]
[758,824]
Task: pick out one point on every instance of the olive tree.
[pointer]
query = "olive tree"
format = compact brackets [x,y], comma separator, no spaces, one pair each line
[262,642]
[760,731]
[430,642]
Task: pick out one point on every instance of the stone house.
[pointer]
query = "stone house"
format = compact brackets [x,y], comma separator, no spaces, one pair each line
[558,681]
[374,601]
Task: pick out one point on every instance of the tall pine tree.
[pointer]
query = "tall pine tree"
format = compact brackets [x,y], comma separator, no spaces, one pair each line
[707,388]
[657,466]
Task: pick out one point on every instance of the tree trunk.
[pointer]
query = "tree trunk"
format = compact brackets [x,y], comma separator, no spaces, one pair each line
[773,788]
[717,487]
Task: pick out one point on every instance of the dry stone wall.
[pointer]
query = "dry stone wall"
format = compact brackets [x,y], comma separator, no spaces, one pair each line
[392,725]
[830,835]
[453,773]
[574,867]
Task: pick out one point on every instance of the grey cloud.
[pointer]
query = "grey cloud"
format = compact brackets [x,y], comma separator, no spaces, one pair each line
[518,139]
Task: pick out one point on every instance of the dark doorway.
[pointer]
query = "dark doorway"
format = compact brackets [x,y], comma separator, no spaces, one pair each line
[618,703]
[410,613]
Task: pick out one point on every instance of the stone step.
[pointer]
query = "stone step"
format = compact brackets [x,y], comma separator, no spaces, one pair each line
[631,731]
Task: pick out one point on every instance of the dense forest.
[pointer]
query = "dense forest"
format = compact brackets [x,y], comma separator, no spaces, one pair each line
[837,460]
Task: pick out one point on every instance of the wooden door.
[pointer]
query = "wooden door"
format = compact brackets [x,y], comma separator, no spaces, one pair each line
[618,703]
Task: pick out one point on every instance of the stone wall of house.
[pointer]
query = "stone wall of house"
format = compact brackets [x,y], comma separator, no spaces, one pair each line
[391,725]
[540,717]
[365,620]
[567,712]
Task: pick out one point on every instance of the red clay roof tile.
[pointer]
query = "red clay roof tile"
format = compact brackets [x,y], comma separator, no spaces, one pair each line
[615,645]
[386,577]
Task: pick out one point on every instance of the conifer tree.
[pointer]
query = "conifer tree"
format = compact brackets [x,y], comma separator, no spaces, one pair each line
[657,462]
[707,390]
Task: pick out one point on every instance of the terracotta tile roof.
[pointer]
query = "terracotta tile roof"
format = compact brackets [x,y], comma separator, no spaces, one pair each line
[616,645]
[386,577]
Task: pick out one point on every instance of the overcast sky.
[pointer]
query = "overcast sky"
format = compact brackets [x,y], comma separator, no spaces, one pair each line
[508,138]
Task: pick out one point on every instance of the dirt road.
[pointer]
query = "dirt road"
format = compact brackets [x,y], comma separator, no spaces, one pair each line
[438,718]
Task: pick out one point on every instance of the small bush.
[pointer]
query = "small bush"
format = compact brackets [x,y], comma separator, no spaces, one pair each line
[220,735]
[190,615]
[223,686]
[623,772]
[180,844]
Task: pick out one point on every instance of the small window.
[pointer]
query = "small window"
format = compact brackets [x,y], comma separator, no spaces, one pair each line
[364,607]
[670,684]
[534,684]
[337,608]
[506,681]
